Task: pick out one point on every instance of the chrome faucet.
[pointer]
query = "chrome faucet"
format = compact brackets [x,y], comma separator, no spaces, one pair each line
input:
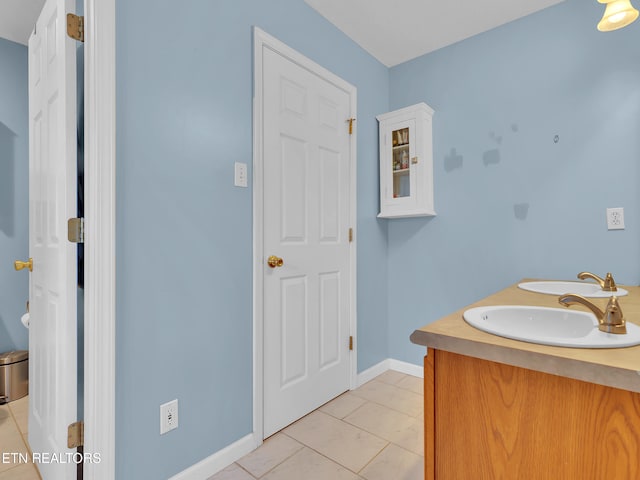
[610,321]
[607,284]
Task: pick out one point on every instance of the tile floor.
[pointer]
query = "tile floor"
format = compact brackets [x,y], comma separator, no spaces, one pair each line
[374,433]
[13,439]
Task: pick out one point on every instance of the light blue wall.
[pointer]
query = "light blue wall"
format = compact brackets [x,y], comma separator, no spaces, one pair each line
[14,193]
[184,233]
[184,313]
[500,99]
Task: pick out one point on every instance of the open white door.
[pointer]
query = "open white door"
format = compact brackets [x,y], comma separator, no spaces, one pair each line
[52,200]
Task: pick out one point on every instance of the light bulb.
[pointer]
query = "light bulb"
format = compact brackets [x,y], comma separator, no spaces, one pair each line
[617,17]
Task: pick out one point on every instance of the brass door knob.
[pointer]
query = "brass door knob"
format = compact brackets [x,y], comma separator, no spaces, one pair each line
[18,265]
[274,261]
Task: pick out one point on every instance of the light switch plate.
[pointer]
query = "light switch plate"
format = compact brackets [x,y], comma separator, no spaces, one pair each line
[168,416]
[240,179]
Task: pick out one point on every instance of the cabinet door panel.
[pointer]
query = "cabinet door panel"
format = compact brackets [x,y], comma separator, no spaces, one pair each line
[494,421]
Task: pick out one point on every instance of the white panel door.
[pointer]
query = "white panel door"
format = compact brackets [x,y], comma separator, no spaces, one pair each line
[306,223]
[52,200]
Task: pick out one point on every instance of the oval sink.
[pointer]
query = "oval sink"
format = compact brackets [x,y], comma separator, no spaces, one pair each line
[591,290]
[548,326]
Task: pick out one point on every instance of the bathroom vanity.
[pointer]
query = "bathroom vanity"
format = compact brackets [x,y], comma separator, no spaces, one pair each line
[497,408]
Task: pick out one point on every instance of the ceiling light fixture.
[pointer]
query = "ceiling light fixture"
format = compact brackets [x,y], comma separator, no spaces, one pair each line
[618,14]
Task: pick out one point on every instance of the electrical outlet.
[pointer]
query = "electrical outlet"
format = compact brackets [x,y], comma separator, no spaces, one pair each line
[168,416]
[615,218]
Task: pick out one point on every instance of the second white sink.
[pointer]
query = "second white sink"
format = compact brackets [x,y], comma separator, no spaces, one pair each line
[591,290]
[549,326]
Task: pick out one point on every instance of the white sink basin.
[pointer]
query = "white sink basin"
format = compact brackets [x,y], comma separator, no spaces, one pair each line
[549,326]
[591,290]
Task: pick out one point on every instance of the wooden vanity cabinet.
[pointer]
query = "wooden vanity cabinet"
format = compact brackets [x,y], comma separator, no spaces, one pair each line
[487,420]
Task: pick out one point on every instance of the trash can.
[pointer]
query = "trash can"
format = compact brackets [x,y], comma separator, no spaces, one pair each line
[14,375]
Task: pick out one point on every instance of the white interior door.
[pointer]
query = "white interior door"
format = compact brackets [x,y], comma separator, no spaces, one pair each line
[306,145]
[52,200]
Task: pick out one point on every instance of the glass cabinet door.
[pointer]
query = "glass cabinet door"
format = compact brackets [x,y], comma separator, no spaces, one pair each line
[401,163]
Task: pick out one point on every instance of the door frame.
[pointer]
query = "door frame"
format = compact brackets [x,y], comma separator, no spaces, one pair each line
[99,253]
[262,40]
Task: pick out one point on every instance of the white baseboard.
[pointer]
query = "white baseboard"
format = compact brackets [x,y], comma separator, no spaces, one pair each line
[373,372]
[408,368]
[389,364]
[219,460]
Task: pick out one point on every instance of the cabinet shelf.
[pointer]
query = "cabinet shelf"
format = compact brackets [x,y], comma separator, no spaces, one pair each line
[408,214]
[401,172]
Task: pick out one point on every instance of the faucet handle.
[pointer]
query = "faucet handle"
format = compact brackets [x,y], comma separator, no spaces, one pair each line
[613,320]
[609,284]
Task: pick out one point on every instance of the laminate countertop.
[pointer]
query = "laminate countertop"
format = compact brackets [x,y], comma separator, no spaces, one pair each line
[613,367]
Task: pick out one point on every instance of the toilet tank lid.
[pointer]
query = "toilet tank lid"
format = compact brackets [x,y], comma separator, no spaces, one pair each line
[13,357]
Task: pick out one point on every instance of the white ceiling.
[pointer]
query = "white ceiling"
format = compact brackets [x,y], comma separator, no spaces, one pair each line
[400,30]
[392,31]
[17,18]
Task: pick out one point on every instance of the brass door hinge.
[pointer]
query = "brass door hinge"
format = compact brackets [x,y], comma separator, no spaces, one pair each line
[75,435]
[75,230]
[350,122]
[75,27]
[350,235]
[351,342]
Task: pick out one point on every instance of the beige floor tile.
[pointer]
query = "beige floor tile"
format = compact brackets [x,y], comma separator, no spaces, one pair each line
[395,463]
[309,465]
[350,446]
[389,424]
[399,399]
[232,472]
[343,405]
[5,415]
[10,439]
[20,410]
[21,472]
[412,438]
[391,377]
[272,452]
[415,384]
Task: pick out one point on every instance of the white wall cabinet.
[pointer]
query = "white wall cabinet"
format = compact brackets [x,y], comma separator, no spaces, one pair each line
[406,162]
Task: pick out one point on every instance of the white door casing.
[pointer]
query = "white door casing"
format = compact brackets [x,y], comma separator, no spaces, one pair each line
[52,200]
[99,247]
[307,200]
